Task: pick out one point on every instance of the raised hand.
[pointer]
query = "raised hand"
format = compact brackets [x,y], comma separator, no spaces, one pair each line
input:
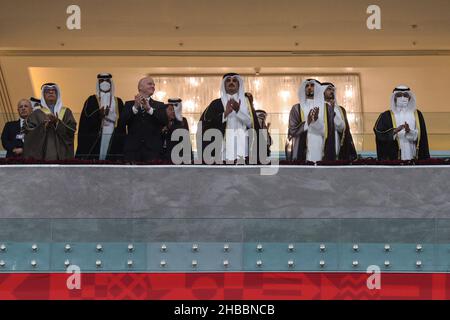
[229,108]
[235,105]
[399,128]
[407,128]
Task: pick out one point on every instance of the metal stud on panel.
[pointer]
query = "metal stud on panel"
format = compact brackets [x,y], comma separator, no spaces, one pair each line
[387,247]
[355,247]
[2,247]
[130,263]
[2,263]
[194,263]
[419,248]
[34,247]
[291,247]
[291,263]
[33,263]
[259,247]
[418,264]
[67,263]
[98,263]
[355,263]
[226,263]
[195,247]
[226,247]
[130,247]
[163,263]
[67,248]
[322,263]
[322,247]
[259,263]
[163,248]
[387,263]
[99,247]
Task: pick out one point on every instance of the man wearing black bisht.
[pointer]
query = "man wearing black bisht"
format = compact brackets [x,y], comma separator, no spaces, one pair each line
[99,136]
[233,116]
[338,141]
[401,133]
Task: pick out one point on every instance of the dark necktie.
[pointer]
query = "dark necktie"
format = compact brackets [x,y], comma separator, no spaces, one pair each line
[330,145]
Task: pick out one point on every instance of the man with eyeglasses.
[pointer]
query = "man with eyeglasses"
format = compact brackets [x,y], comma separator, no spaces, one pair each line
[50,129]
[13,132]
[401,133]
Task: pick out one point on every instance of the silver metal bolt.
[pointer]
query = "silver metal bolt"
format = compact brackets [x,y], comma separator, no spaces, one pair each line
[259,263]
[195,247]
[98,263]
[67,263]
[194,263]
[419,248]
[259,247]
[418,264]
[163,263]
[291,247]
[2,247]
[33,263]
[387,263]
[226,247]
[130,247]
[226,263]
[99,247]
[355,247]
[163,248]
[290,263]
[322,247]
[130,263]
[67,248]
[34,247]
[322,263]
[387,247]
[2,263]
[355,263]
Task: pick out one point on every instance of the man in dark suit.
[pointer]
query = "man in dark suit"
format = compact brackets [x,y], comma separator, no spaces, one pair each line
[144,119]
[13,132]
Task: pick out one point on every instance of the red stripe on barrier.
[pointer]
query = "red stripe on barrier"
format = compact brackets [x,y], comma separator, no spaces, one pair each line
[223,286]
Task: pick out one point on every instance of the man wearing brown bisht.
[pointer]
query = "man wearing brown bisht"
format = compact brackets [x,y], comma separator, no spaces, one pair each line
[50,129]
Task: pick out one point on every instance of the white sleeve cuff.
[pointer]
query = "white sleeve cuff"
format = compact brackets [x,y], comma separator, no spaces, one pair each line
[412,135]
[224,119]
[150,111]
[135,110]
[305,126]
